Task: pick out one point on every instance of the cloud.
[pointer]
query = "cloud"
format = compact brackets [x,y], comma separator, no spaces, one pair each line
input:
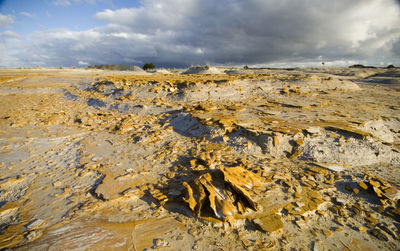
[9,34]
[5,20]
[27,14]
[63,3]
[255,32]
[83,63]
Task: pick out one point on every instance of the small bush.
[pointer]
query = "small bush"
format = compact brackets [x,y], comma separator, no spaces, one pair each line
[148,66]
[390,66]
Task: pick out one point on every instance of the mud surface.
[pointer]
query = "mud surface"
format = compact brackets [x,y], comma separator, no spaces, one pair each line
[240,160]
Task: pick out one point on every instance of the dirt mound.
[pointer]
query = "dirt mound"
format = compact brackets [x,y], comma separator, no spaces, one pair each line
[162,71]
[206,69]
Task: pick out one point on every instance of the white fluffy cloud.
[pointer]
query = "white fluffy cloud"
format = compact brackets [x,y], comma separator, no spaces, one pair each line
[9,34]
[182,32]
[5,20]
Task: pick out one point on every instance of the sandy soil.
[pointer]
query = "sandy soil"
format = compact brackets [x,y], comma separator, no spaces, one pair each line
[258,159]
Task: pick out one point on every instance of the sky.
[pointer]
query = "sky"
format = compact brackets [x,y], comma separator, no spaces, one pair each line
[180,33]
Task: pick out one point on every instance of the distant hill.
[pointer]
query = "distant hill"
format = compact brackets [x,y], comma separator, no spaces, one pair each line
[115,67]
[361,66]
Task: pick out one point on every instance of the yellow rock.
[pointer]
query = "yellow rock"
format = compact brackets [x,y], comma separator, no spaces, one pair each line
[363,185]
[276,140]
[362,229]
[300,142]
[269,223]
[189,198]
[339,229]
[374,183]
[326,232]
[371,219]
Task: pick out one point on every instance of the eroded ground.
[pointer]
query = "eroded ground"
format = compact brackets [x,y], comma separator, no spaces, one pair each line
[251,160]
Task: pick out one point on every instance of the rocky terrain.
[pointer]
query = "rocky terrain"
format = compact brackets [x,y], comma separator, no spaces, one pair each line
[205,158]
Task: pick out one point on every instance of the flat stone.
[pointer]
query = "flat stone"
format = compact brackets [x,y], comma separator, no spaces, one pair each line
[332,166]
[374,183]
[269,223]
[314,130]
[356,244]
[391,193]
[35,224]
[363,185]
[301,224]
[326,232]
[379,234]
[371,219]
[362,229]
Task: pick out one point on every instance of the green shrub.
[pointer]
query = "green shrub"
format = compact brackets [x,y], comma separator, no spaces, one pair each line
[148,66]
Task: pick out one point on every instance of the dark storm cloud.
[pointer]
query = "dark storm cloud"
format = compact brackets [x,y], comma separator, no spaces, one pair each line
[181,32]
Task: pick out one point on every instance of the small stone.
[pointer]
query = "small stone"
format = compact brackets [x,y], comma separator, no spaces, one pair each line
[33,235]
[339,221]
[301,224]
[383,202]
[391,193]
[57,184]
[362,229]
[339,202]
[380,209]
[313,130]
[331,166]
[394,212]
[160,243]
[170,175]
[35,224]
[246,243]
[371,219]
[374,183]
[268,245]
[377,191]
[356,190]
[356,209]
[300,142]
[339,229]
[192,231]
[363,185]
[326,232]
[276,140]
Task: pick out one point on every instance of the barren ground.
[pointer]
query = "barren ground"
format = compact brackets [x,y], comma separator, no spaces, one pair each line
[301,159]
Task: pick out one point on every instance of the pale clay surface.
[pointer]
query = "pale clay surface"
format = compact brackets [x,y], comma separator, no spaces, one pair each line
[207,158]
